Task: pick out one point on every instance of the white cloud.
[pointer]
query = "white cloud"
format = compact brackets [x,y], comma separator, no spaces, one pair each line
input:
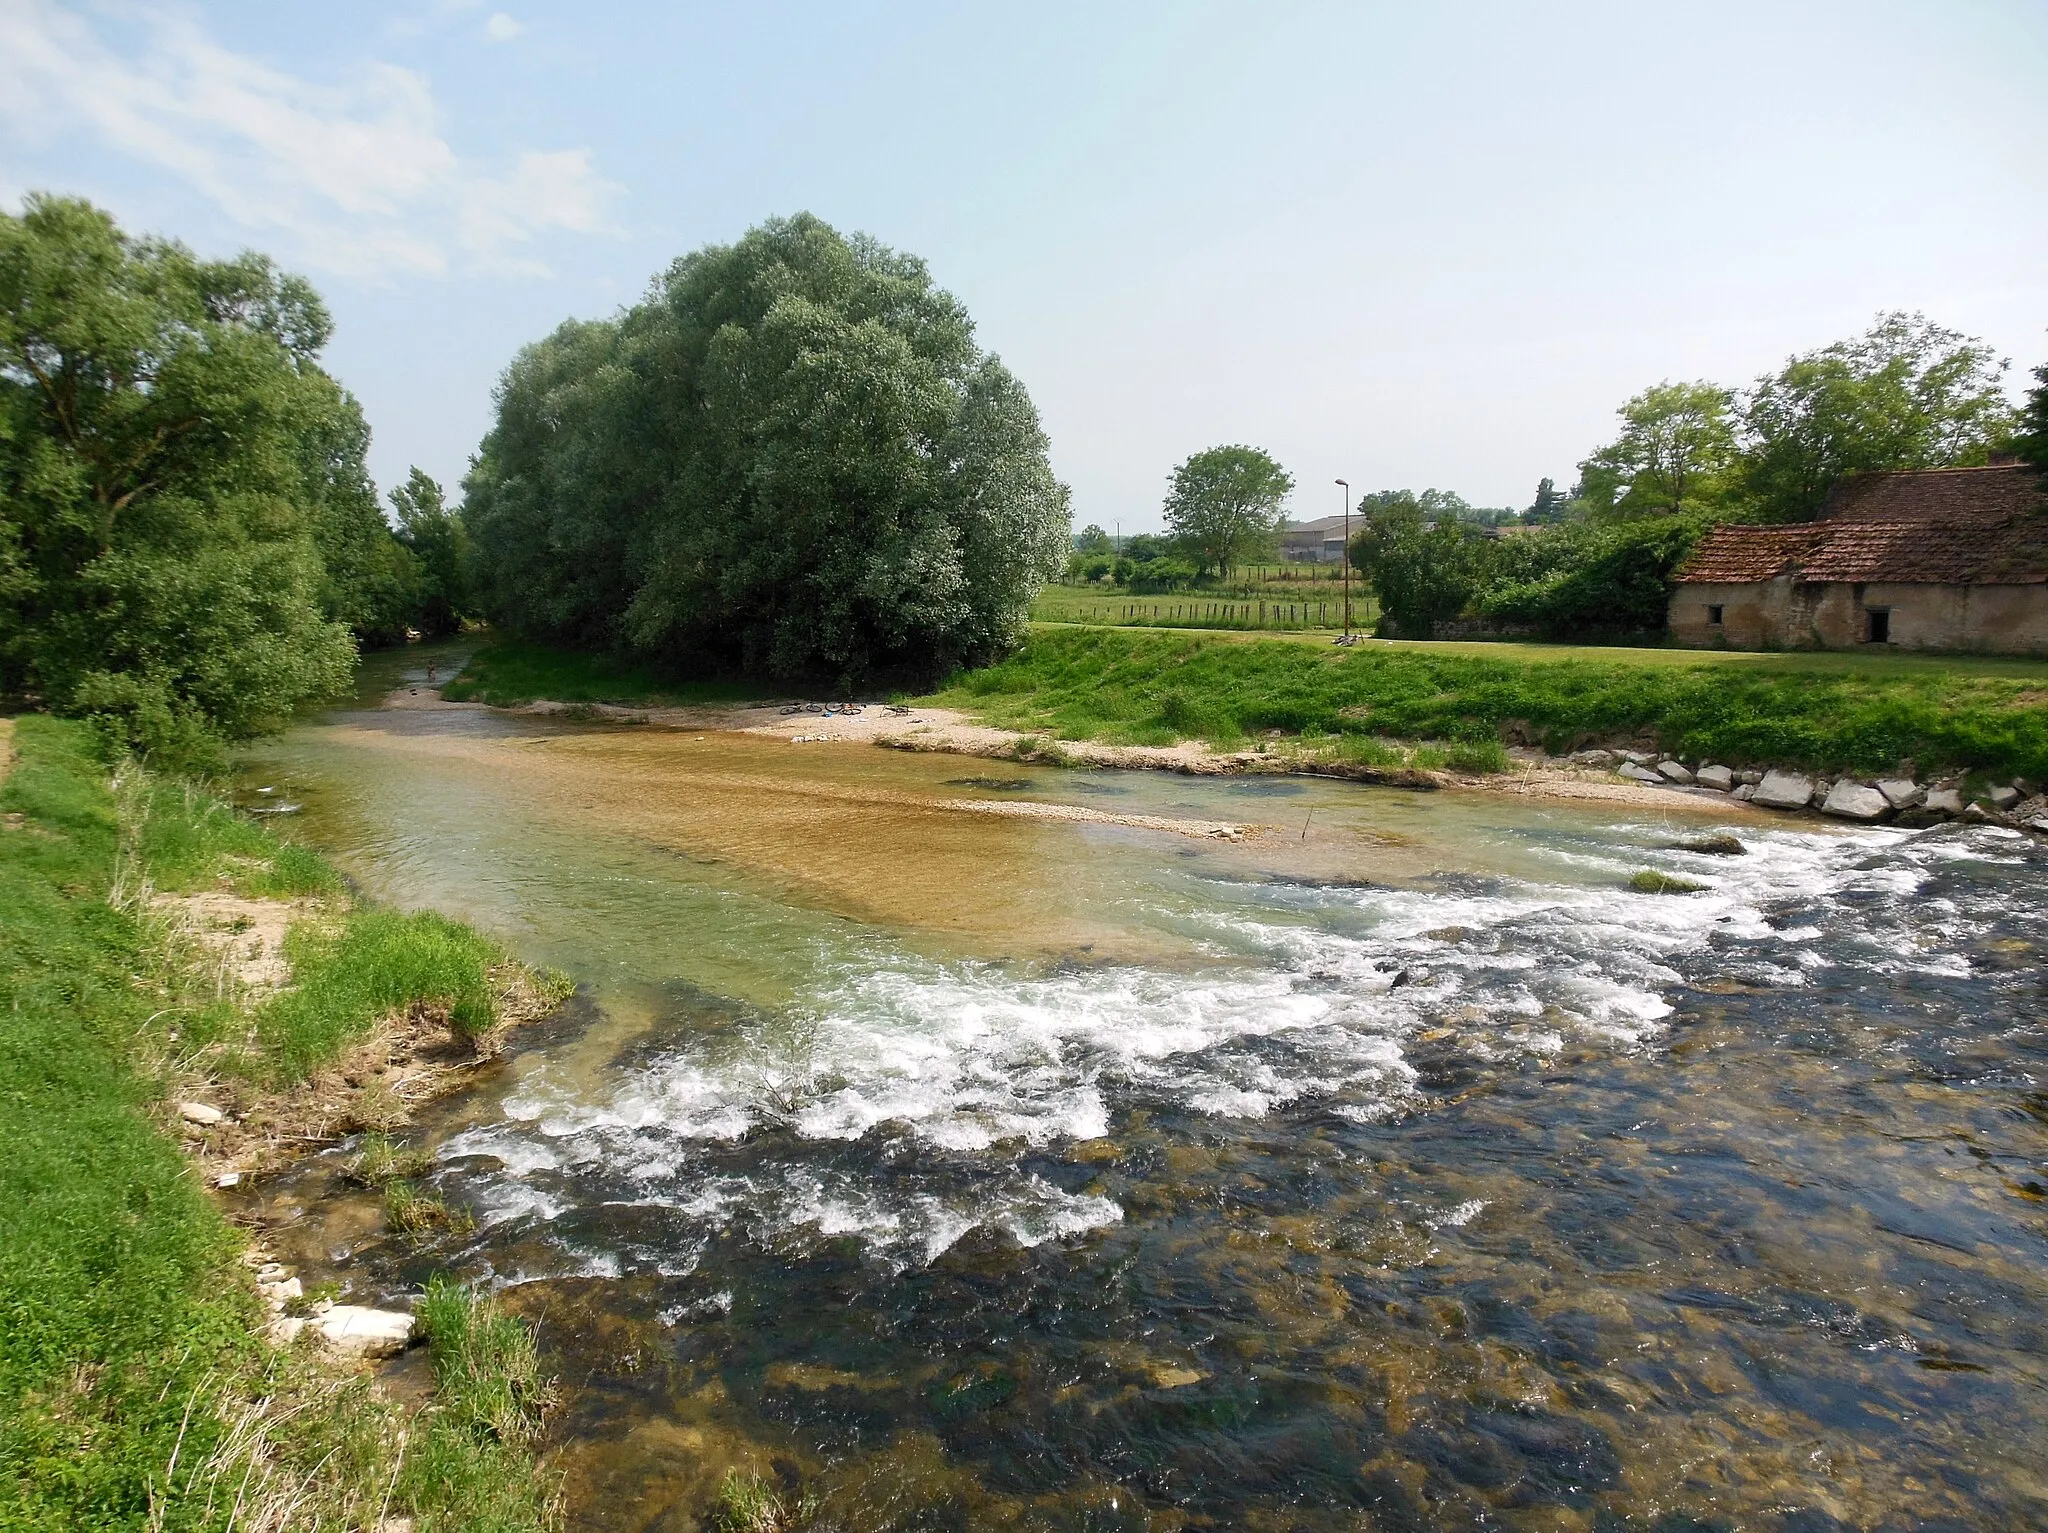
[502,28]
[356,175]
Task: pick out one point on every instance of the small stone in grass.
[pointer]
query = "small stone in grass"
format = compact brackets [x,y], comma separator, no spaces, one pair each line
[200,1114]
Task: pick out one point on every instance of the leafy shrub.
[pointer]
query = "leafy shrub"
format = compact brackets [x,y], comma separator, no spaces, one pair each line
[1610,580]
[1150,577]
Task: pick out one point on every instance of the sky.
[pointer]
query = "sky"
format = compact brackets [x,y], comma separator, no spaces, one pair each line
[1405,245]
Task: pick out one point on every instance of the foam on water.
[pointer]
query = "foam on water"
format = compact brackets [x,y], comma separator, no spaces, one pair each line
[1307,995]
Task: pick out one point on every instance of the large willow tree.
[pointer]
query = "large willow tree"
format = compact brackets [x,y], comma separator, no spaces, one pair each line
[791,457]
[187,532]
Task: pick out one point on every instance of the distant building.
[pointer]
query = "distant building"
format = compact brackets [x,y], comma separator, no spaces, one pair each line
[1938,559]
[1318,542]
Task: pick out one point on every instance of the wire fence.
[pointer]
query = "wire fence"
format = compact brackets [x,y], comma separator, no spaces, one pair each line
[1257,614]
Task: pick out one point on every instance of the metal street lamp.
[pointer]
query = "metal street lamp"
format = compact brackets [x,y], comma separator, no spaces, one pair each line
[1346,557]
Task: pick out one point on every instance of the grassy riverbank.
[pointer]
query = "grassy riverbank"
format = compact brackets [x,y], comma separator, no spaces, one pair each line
[1823,711]
[1152,688]
[133,1389]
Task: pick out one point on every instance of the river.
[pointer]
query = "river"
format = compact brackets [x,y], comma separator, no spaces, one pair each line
[1396,1168]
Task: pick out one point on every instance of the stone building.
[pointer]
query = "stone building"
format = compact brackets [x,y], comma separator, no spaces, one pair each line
[1936,559]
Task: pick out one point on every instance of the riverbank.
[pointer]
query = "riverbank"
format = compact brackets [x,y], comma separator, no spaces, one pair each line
[177,981]
[1413,718]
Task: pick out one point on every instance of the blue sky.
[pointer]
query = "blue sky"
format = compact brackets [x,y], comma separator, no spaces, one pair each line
[1405,244]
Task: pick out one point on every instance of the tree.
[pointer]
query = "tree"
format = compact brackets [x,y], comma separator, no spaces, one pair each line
[1225,506]
[1092,540]
[171,460]
[2030,439]
[1907,394]
[1674,454]
[791,457]
[440,549]
[1550,504]
[1423,570]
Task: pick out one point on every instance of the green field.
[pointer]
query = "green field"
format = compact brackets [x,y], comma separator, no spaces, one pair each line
[1823,712]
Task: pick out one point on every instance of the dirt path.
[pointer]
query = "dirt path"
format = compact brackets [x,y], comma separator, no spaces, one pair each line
[6,748]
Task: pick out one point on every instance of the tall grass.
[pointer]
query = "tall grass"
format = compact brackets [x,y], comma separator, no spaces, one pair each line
[1141,688]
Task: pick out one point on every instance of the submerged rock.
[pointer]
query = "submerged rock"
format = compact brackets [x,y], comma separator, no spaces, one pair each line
[1719,778]
[1650,881]
[1849,800]
[1719,844]
[1783,790]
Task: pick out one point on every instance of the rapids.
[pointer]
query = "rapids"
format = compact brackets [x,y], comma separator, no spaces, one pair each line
[1397,1168]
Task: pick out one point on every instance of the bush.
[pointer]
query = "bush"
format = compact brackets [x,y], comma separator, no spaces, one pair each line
[1149,577]
[1609,581]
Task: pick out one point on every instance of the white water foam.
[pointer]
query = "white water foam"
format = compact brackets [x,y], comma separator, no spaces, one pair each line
[1310,994]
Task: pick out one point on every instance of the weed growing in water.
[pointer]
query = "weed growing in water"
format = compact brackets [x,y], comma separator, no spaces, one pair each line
[381,1160]
[413,1212]
[748,1504]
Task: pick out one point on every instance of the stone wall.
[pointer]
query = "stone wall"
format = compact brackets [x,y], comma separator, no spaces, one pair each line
[1779,614]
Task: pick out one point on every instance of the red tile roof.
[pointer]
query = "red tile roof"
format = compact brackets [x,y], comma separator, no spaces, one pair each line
[1962,526]
[1936,494]
[1737,555]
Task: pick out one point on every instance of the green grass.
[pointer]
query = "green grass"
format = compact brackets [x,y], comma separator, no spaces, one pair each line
[133,1393]
[378,962]
[509,672]
[471,1465]
[1823,712]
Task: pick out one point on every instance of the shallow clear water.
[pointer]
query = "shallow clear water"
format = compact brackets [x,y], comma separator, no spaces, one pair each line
[1397,1168]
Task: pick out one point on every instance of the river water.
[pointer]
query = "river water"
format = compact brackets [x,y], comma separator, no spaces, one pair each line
[1398,1168]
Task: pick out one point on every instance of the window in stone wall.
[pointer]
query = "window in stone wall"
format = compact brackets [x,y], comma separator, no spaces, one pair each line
[1713,615]
[1880,625]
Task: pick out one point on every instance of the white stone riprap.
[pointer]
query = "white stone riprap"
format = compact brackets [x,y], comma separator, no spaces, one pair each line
[1783,790]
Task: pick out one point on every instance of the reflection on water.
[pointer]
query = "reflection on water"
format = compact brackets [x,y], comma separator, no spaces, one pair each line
[1399,1169]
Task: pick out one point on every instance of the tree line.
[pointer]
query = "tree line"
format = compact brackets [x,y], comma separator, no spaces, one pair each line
[1597,560]
[190,543]
[792,458]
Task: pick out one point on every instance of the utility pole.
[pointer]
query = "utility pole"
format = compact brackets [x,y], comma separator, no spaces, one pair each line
[1346,557]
